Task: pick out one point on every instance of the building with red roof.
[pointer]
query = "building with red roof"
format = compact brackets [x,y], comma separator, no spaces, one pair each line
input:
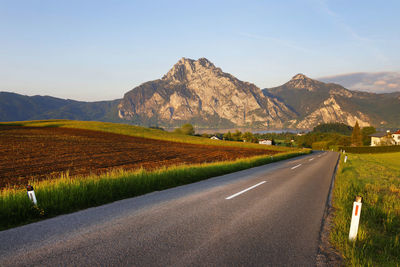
[396,137]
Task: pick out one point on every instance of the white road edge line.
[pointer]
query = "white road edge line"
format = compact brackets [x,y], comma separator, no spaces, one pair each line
[296,166]
[311,159]
[241,192]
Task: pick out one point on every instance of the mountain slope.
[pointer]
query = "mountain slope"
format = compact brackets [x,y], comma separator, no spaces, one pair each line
[198,92]
[317,102]
[16,107]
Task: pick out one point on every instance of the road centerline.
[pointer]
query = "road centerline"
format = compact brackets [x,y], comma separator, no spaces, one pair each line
[245,190]
[295,167]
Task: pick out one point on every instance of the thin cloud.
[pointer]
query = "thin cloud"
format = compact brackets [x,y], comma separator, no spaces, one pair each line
[377,82]
[339,21]
[275,40]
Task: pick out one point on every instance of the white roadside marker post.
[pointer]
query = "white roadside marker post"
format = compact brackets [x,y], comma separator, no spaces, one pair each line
[31,194]
[345,159]
[355,218]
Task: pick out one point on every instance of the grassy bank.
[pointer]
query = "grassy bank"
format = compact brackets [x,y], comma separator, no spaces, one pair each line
[66,195]
[139,131]
[375,177]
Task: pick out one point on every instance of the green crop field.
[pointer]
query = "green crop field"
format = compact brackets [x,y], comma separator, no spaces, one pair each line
[139,131]
[375,177]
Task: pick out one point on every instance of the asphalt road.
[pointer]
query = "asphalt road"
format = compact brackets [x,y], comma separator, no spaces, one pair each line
[265,216]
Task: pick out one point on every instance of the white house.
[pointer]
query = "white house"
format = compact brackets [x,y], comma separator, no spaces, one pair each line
[376,138]
[384,138]
[396,137]
[265,142]
[214,138]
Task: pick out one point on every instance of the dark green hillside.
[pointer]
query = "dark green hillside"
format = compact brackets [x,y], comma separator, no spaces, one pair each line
[339,128]
[301,101]
[15,107]
[304,96]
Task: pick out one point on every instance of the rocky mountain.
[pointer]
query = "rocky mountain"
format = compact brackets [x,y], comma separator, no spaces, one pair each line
[316,102]
[16,107]
[196,91]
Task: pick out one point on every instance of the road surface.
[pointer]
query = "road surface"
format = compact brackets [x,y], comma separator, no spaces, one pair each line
[265,216]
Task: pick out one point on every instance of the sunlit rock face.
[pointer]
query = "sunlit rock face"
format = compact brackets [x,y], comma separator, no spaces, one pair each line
[198,92]
[315,102]
[331,111]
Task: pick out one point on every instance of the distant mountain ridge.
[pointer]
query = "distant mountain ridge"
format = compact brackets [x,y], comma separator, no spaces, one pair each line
[316,102]
[198,92]
[16,107]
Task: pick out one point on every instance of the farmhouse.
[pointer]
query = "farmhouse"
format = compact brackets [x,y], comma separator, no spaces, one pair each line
[214,138]
[387,138]
[265,142]
[376,138]
[396,137]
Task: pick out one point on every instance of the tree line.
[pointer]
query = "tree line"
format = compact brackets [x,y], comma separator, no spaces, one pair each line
[323,136]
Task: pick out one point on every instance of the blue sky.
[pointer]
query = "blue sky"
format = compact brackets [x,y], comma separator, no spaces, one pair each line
[98,50]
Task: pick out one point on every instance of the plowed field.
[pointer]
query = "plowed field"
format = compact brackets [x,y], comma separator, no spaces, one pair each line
[44,153]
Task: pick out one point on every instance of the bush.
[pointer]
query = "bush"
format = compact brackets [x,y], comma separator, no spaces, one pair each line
[186,129]
[370,149]
[322,145]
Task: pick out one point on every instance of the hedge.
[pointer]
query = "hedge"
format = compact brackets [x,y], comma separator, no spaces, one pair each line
[370,149]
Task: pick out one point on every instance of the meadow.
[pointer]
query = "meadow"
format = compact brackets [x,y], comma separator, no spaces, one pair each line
[375,177]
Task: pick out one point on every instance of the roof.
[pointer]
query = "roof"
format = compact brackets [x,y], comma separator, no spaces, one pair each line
[398,132]
[378,135]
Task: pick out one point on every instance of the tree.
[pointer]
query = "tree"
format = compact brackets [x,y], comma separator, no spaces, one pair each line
[356,137]
[344,141]
[227,136]
[185,129]
[249,137]
[366,131]
[237,136]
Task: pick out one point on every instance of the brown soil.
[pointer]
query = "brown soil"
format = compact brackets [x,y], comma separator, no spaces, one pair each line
[28,153]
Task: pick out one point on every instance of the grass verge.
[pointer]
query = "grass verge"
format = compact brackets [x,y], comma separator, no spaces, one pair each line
[375,177]
[68,194]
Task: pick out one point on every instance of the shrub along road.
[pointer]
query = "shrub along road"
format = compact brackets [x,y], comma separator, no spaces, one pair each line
[268,215]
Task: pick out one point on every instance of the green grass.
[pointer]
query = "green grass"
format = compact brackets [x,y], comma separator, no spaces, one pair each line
[139,131]
[375,177]
[68,194]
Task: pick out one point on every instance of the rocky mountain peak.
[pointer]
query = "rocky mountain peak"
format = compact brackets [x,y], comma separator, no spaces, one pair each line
[197,91]
[300,76]
[185,68]
[301,81]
